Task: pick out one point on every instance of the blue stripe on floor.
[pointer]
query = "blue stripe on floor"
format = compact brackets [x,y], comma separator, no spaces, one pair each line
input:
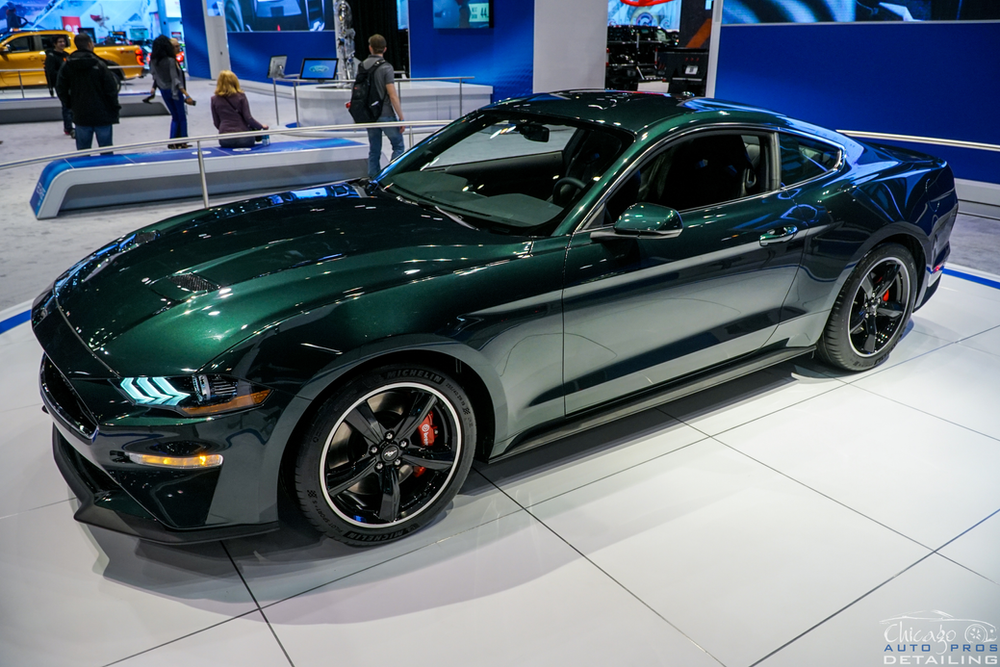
[11,322]
[16,320]
[971,278]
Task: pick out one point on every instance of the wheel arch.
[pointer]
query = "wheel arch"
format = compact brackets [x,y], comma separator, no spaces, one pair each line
[900,235]
[485,403]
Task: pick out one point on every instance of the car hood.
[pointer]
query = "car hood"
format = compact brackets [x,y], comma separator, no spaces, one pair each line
[170,297]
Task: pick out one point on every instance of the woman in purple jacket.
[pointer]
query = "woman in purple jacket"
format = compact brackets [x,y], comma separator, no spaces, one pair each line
[231,111]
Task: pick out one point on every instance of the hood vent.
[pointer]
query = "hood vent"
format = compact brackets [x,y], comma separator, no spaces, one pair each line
[192,282]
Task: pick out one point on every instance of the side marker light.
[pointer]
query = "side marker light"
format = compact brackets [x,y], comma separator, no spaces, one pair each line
[182,462]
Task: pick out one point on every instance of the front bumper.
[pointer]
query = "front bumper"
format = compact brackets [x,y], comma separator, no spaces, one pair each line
[106,505]
[96,428]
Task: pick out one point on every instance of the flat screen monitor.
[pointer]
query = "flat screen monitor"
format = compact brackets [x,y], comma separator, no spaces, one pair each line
[685,69]
[459,14]
[276,67]
[318,69]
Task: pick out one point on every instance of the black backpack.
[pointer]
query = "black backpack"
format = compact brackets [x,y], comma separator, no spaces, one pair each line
[365,106]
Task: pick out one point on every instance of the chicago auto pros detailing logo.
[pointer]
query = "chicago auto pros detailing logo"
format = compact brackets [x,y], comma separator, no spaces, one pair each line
[937,638]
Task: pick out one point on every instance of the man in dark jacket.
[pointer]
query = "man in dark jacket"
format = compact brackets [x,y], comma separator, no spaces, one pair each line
[90,90]
[55,58]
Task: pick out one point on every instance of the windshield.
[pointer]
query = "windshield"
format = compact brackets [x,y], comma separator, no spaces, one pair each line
[507,173]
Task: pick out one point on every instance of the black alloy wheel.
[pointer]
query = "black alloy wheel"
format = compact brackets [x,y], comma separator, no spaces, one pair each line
[386,455]
[872,310]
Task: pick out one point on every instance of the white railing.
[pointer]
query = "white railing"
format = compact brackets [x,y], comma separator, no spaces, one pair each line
[199,141]
[953,143]
[20,81]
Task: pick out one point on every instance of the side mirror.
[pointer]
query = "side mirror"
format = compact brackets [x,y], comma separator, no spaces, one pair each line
[4,49]
[644,220]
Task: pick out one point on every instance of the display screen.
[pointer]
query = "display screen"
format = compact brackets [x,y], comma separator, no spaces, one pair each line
[839,11]
[275,15]
[458,14]
[100,18]
[665,14]
[318,68]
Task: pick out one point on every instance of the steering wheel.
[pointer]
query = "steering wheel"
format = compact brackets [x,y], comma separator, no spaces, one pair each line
[579,185]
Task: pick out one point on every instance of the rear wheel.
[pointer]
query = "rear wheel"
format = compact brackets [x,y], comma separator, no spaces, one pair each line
[871,311]
[386,455]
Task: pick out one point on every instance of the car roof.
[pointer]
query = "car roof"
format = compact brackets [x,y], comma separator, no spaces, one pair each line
[637,111]
[659,113]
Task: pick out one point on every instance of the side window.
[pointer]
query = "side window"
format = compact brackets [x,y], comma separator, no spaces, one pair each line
[703,171]
[20,44]
[803,159]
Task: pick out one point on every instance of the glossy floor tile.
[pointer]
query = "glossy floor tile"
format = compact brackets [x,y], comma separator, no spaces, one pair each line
[574,462]
[28,478]
[958,383]
[979,548]
[715,542]
[296,559]
[508,593]
[75,596]
[922,476]
[748,398]
[245,640]
[792,517]
[936,610]
[959,309]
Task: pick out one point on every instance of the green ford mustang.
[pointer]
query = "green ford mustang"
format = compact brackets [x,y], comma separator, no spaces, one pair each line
[537,267]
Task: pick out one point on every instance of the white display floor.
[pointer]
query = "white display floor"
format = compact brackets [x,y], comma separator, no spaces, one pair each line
[783,519]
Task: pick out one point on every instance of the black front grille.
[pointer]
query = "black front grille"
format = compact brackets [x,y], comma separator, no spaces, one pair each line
[64,398]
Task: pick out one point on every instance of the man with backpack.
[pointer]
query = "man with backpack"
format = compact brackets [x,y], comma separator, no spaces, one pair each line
[372,88]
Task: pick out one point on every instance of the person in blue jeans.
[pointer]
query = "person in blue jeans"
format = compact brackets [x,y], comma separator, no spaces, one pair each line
[385,88]
[169,78]
[89,89]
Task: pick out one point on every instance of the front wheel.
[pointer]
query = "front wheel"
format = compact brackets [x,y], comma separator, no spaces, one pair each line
[386,455]
[871,310]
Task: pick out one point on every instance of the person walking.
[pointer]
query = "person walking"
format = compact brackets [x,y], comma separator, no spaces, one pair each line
[169,78]
[383,89]
[55,58]
[231,111]
[89,89]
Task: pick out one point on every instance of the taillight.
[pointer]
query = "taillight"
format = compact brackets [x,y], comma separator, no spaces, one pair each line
[138,57]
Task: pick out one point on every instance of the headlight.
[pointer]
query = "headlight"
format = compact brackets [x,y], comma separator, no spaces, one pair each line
[195,396]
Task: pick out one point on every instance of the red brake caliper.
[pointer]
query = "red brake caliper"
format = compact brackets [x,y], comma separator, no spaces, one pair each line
[427,435]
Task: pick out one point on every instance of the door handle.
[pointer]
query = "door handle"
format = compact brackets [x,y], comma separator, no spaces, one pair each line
[780,235]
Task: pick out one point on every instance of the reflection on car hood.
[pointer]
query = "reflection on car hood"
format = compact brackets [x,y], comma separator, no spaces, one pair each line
[177,293]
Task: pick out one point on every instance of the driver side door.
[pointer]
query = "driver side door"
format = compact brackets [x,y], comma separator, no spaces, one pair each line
[22,52]
[641,311]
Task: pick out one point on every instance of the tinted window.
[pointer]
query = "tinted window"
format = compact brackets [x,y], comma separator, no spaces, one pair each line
[507,172]
[20,44]
[702,171]
[802,159]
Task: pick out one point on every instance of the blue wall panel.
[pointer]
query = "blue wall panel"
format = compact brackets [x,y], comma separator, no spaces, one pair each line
[924,79]
[501,56]
[195,42]
[250,52]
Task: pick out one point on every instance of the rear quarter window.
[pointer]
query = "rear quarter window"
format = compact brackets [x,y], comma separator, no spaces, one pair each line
[803,159]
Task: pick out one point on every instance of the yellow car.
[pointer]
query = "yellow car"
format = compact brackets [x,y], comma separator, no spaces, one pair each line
[25,50]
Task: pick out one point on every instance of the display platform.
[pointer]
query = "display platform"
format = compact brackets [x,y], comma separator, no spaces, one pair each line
[797,516]
[37,109]
[324,104]
[104,180]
